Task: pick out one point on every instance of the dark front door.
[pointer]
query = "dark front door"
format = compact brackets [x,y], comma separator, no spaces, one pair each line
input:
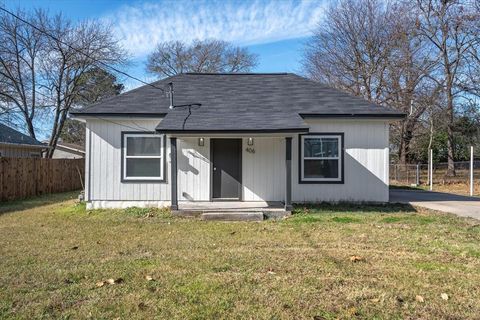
[227,168]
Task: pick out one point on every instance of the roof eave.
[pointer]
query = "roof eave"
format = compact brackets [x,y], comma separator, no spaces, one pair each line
[23,145]
[387,116]
[116,115]
[232,131]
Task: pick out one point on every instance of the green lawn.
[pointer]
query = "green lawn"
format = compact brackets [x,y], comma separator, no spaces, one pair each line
[54,254]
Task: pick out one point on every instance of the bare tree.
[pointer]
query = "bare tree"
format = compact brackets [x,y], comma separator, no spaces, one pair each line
[370,48]
[450,27]
[21,48]
[73,51]
[350,48]
[407,85]
[171,58]
[42,61]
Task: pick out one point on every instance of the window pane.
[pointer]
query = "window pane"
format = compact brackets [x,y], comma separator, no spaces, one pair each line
[330,147]
[320,147]
[143,167]
[143,146]
[317,169]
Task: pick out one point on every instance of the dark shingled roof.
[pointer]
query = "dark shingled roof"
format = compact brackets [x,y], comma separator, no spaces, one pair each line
[12,136]
[238,102]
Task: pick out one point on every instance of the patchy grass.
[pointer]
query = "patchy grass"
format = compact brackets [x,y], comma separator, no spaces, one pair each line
[53,256]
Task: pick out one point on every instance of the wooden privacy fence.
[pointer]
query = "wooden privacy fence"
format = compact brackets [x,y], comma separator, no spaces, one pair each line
[26,177]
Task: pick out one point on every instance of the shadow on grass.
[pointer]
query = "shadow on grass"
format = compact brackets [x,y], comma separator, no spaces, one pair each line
[43,200]
[353,208]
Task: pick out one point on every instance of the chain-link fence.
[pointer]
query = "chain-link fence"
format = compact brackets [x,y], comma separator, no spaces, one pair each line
[418,175]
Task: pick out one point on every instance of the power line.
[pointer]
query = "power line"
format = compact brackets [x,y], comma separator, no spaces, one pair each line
[78,50]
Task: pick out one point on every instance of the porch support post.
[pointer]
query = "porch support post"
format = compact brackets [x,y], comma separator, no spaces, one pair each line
[288,172]
[173,173]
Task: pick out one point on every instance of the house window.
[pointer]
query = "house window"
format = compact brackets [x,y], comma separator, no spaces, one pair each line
[143,156]
[321,158]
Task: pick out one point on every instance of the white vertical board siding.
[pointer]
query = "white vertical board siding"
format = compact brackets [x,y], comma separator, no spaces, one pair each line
[104,158]
[88,141]
[193,163]
[365,159]
[263,172]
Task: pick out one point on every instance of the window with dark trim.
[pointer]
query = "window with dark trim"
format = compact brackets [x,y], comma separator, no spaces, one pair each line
[321,158]
[143,157]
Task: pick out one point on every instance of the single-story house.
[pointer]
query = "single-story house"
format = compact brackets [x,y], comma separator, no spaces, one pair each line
[196,138]
[65,150]
[14,144]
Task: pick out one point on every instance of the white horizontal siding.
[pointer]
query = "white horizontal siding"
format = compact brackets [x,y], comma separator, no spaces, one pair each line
[366,163]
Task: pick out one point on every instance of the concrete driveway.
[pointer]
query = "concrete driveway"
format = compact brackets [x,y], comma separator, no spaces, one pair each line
[460,205]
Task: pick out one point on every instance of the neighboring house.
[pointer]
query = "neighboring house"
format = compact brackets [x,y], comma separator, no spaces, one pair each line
[245,137]
[14,144]
[65,150]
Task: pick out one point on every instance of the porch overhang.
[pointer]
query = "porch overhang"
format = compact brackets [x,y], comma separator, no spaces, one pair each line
[215,121]
[234,133]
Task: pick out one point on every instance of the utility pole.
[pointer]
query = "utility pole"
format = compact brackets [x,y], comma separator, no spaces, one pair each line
[471,171]
[430,164]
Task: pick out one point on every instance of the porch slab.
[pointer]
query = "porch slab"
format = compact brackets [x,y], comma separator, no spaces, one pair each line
[232,210]
[228,206]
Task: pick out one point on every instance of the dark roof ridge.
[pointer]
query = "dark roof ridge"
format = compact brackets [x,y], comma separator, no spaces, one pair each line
[236,73]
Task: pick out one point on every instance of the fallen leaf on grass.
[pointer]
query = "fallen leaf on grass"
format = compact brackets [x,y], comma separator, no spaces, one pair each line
[111,281]
[444,296]
[100,284]
[149,278]
[270,271]
[419,298]
[356,259]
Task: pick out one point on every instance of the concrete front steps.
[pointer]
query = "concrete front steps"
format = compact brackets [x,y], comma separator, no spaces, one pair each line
[232,215]
[232,210]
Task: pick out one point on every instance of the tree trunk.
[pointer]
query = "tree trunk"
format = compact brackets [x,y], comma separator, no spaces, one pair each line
[406,137]
[450,131]
[56,134]
[450,150]
[30,128]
